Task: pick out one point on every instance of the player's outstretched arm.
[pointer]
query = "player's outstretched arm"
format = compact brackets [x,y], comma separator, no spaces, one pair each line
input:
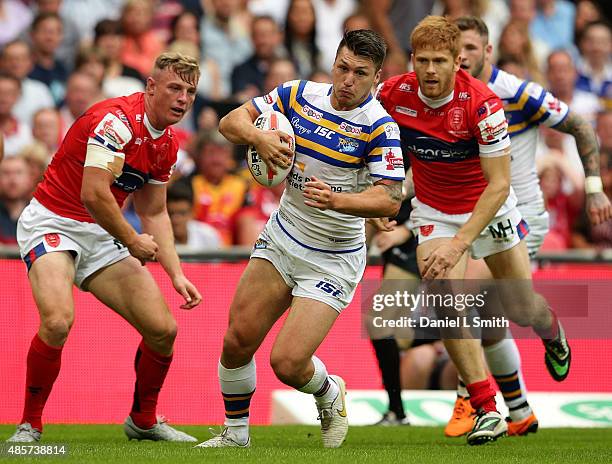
[597,203]
[150,205]
[383,199]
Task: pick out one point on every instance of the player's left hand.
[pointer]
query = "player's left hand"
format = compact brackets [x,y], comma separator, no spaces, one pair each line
[382,224]
[443,259]
[598,208]
[392,238]
[318,194]
[188,291]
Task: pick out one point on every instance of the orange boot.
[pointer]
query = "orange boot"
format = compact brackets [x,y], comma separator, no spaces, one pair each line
[462,420]
[529,425]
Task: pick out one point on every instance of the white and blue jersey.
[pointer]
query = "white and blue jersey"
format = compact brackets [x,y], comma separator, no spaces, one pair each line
[526,105]
[337,147]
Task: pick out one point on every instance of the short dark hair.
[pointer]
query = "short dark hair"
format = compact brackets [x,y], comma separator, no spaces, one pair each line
[473,23]
[179,191]
[40,17]
[597,23]
[367,43]
[107,27]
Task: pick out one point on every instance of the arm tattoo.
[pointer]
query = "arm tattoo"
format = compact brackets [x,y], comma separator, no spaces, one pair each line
[394,190]
[586,141]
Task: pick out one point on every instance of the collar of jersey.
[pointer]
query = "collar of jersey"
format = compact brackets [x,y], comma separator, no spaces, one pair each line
[432,103]
[154,132]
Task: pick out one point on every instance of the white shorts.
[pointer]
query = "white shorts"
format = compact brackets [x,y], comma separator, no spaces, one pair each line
[40,231]
[324,276]
[501,234]
[537,219]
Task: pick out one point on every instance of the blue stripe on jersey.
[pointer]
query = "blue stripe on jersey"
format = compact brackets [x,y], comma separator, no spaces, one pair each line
[332,143]
[105,143]
[382,141]
[313,248]
[255,105]
[374,159]
[518,93]
[386,177]
[493,75]
[284,94]
[327,159]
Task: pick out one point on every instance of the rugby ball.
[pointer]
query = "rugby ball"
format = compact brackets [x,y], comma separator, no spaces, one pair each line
[270,120]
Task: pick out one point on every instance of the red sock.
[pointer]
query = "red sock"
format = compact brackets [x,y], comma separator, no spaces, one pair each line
[552,332]
[482,396]
[43,366]
[151,369]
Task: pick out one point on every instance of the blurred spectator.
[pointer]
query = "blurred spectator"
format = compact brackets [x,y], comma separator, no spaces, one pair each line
[71,35]
[248,77]
[276,8]
[494,13]
[514,43]
[585,234]
[90,12]
[185,27]
[82,91]
[395,19]
[141,46]
[109,39]
[38,157]
[16,186]
[164,12]
[330,16]
[356,21]
[47,128]
[187,231]
[218,195]
[320,76]
[595,67]
[46,34]
[396,62]
[15,17]
[208,119]
[554,23]
[300,34]
[562,208]
[561,75]
[16,60]
[281,70]
[16,133]
[512,66]
[224,40]
[251,219]
[523,10]
[94,62]
[587,11]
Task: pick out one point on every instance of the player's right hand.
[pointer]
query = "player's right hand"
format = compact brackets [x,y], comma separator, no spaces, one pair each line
[273,148]
[143,248]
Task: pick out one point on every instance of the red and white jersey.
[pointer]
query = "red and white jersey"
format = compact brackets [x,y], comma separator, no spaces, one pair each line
[117,124]
[445,138]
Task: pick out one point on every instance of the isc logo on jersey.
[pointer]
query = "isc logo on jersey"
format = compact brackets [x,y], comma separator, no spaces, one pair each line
[270,120]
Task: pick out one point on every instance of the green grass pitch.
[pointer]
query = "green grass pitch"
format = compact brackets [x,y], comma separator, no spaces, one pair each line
[301,444]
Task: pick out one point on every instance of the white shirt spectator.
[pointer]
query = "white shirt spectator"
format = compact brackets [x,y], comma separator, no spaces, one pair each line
[34,96]
[16,18]
[17,139]
[202,236]
[330,16]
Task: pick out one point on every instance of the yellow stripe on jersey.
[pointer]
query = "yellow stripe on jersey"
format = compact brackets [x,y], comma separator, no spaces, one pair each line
[521,125]
[327,151]
[323,122]
[379,130]
[520,104]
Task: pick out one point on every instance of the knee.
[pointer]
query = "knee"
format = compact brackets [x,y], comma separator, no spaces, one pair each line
[289,369]
[237,347]
[163,336]
[56,329]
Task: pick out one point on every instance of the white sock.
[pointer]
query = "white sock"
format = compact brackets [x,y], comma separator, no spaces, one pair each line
[504,362]
[320,385]
[461,388]
[237,388]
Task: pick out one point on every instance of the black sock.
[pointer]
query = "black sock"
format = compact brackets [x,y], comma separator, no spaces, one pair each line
[387,354]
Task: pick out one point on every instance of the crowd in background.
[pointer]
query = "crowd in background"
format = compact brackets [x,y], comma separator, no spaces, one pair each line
[57,58]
